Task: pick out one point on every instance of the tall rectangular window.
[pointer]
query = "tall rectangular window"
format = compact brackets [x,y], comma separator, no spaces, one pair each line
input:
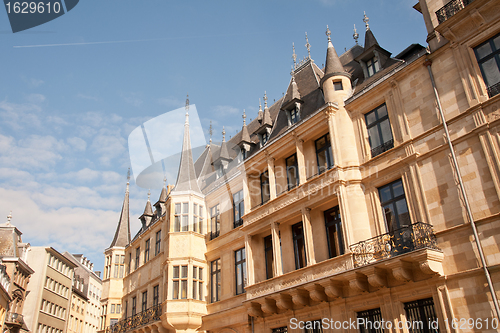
[299,247]
[488,58]
[294,115]
[214,222]
[156,295]
[184,282]
[393,201]
[200,219]
[292,171]
[144,301]
[238,208]
[134,306]
[137,257]
[146,250]
[324,153]
[372,66]
[117,266]
[122,266]
[264,187]
[175,282]
[333,225]
[379,130]
[129,263]
[268,253]
[421,311]
[158,242]
[185,217]
[215,280]
[195,218]
[240,270]
[177,217]
[200,284]
[367,319]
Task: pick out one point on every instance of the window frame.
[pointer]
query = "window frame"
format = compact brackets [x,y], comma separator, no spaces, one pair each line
[327,148]
[158,242]
[393,202]
[493,89]
[215,281]
[144,304]
[137,257]
[147,245]
[156,295]
[335,223]
[372,315]
[295,167]
[215,222]
[384,145]
[269,256]
[238,206]
[240,271]
[265,184]
[134,306]
[423,310]
[297,247]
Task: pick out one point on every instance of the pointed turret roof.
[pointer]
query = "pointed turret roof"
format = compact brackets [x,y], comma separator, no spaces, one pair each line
[266,118]
[148,210]
[224,153]
[122,234]
[333,66]
[245,136]
[186,178]
[370,39]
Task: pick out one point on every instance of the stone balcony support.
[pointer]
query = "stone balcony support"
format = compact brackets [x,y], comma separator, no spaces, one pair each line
[283,302]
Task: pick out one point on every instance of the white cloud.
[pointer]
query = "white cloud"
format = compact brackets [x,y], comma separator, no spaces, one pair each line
[88,97]
[132,99]
[77,143]
[36,82]
[35,98]
[171,102]
[224,110]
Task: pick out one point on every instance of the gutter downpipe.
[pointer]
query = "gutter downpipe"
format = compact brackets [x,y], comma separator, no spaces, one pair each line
[461,186]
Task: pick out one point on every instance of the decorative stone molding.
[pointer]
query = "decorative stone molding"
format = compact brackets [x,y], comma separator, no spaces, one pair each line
[479,118]
[317,293]
[283,302]
[377,277]
[254,310]
[299,297]
[401,270]
[332,289]
[268,305]
[358,282]
[430,263]
[477,17]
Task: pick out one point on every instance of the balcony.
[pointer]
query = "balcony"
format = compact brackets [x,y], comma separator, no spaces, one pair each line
[413,237]
[143,318]
[451,8]
[14,319]
[493,90]
[389,260]
[214,234]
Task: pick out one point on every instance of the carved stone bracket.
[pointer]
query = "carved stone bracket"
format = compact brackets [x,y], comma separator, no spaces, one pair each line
[377,277]
[254,310]
[332,289]
[358,282]
[268,305]
[283,302]
[401,270]
[317,293]
[430,262]
[300,297]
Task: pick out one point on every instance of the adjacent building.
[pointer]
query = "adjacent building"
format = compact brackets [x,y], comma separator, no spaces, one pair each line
[47,303]
[370,192]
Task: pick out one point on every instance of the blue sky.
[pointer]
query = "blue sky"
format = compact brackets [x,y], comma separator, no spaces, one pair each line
[66,110]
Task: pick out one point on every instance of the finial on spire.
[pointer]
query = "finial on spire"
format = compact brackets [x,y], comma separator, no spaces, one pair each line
[260,106]
[355,35]
[294,56]
[366,19]
[149,194]
[187,103]
[308,46]
[244,118]
[265,100]
[223,134]
[328,33]
[210,131]
[9,217]
[165,181]
[128,178]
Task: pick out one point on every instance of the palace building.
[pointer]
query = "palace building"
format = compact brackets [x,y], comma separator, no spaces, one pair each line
[368,193]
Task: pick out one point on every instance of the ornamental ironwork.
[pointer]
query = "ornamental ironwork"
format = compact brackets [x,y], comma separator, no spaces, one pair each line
[451,8]
[407,239]
[143,318]
[494,90]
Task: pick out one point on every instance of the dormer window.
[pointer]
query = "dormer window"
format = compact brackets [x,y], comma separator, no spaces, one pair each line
[294,115]
[219,171]
[372,66]
[337,85]
[264,136]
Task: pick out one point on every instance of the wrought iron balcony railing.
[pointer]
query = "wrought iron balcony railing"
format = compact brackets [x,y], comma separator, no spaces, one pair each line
[145,317]
[407,239]
[494,90]
[382,148]
[451,8]
[14,318]
[214,234]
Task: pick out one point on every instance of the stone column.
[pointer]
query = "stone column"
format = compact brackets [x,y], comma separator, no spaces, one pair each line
[308,237]
[299,148]
[249,260]
[272,179]
[329,114]
[246,195]
[277,267]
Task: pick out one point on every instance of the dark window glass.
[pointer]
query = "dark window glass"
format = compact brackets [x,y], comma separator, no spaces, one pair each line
[158,242]
[393,201]
[146,251]
[292,171]
[488,58]
[200,277]
[184,282]
[195,218]
[144,301]
[264,137]
[299,245]
[268,252]
[324,153]
[379,130]
[313,326]
[185,216]
[238,208]
[129,263]
[264,187]
[338,85]
[137,257]
[373,66]
[283,329]
[156,295]
[334,235]
[421,311]
[175,280]
[134,306]
[215,280]
[294,115]
[240,270]
[215,221]
[369,318]
[177,217]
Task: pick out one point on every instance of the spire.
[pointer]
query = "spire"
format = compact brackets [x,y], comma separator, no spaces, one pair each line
[210,131]
[355,35]
[122,234]
[308,47]
[223,134]
[265,100]
[333,66]
[266,119]
[366,20]
[261,115]
[295,88]
[224,152]
[163,194]
[244,118]
[245,136]
[186,177]
[148,210]
[294,56]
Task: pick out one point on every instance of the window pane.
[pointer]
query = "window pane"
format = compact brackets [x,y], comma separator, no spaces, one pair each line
[184,272]
[382,111]
[184,289]
[374,137]
[403,215]
[484,50]
[385,193]
[176,272]
[370,118]
[490,70]
[397,188]
[176,290]
[177,208]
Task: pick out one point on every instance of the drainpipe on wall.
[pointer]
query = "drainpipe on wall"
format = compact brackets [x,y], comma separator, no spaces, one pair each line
[461,186]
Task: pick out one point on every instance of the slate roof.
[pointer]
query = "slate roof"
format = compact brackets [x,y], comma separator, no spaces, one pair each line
[122,234]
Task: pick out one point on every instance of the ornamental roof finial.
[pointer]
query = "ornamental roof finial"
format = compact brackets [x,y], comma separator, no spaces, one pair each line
[355,35]
[294,56]
[223,134]
[9,217]
[149,194]
[210,131]
[187,103]
[366,20]
[265,100]
[244,118]
[308,46]
[328,33]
